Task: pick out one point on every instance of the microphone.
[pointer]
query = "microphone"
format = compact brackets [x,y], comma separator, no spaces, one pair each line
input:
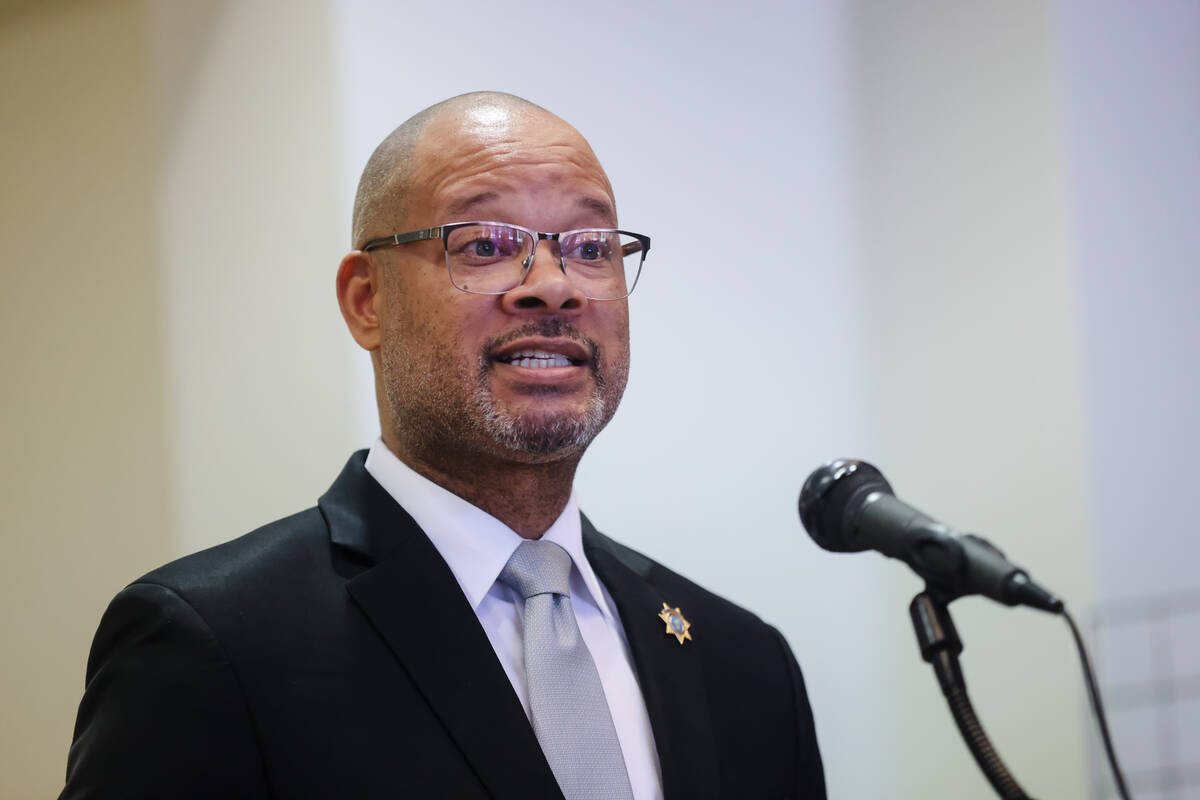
[847,506]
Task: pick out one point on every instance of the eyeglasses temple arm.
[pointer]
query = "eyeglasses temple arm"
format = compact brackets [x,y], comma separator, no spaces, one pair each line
[395,240]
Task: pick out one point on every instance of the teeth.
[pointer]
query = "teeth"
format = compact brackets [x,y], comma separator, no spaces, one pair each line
[538,359]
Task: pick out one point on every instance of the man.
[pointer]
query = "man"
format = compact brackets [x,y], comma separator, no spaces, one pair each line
[395,640]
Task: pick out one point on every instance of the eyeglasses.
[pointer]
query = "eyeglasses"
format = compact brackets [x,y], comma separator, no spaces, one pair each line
[495,257]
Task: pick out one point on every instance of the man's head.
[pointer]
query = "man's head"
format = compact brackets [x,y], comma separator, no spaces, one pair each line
[531,375]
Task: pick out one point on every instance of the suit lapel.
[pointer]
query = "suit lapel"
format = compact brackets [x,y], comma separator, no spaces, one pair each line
[414,602]
[669,673]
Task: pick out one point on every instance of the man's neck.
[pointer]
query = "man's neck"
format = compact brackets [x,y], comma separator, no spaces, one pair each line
[526,497]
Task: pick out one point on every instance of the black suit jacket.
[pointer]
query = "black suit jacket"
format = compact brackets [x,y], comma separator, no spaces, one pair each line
[332,654]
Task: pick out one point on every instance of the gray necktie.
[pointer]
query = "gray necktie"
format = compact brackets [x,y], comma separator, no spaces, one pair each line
[566,700]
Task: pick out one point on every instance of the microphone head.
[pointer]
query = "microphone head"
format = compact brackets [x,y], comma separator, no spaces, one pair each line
[831,498]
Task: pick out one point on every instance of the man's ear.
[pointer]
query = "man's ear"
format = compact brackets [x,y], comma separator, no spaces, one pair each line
[358,293]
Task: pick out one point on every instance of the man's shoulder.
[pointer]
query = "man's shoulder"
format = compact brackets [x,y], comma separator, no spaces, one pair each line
[292,549]
[292,545]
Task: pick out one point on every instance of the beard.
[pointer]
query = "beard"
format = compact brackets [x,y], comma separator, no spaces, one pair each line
[434,408]
[549,434]
[539,433]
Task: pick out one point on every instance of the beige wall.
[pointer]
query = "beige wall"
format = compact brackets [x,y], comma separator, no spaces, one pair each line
[83,415]
[252,229]
[975,348]
[168,214]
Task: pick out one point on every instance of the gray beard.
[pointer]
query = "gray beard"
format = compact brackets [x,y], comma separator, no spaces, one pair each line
[560,433]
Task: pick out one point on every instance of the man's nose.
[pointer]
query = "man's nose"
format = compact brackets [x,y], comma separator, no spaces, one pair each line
[546,287]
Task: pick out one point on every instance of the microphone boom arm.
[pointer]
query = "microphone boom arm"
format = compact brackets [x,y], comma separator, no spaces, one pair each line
[940,646]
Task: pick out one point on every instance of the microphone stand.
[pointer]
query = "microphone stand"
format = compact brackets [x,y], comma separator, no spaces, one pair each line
[940,647]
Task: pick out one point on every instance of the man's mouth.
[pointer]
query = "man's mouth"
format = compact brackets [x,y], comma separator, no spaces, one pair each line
[542,352]
[538,359]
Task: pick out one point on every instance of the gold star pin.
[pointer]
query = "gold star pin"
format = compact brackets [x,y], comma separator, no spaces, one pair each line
[677,626]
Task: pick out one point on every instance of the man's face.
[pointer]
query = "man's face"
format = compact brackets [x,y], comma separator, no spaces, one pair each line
[531,375]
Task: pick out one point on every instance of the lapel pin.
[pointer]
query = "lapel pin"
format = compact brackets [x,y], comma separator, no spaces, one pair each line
[677,626]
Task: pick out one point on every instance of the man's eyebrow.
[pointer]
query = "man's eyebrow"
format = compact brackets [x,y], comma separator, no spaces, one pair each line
[463,205]
[598,206]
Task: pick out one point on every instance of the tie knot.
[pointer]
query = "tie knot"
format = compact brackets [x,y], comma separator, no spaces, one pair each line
[538,567]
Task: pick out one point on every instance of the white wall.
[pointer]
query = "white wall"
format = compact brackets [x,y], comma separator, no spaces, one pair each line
[1132,103]
[1133,106]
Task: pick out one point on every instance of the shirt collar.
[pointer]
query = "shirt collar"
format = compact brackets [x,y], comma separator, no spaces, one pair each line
[473,543]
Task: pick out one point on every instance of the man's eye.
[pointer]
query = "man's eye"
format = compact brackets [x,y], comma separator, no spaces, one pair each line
[590,251]
[485,249]
[594,249]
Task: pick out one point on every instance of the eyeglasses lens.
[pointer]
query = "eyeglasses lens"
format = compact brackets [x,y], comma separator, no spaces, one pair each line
[487,259]
[604,264]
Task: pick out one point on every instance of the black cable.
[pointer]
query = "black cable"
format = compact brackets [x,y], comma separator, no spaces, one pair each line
[1098,707]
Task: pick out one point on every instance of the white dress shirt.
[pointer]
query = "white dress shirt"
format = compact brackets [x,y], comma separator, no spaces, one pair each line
[476,546]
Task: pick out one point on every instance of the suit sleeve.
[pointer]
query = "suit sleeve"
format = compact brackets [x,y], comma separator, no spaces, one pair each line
[163,714]
[810,774]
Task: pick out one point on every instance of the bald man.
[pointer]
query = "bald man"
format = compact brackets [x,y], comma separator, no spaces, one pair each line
[386,643]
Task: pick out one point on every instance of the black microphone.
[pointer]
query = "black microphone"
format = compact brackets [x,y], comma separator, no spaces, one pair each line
[847,506]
